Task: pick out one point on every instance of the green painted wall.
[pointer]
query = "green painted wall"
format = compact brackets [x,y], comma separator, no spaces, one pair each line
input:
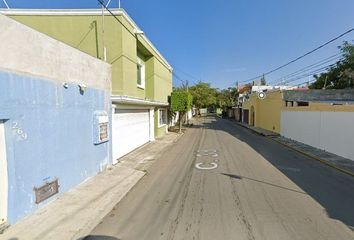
[159,131]
[122,47]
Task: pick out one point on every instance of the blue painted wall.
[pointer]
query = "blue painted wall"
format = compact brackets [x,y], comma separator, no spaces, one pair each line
[49,134]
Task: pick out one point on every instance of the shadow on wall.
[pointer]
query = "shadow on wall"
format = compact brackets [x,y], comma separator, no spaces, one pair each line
[98,237]
[332,189]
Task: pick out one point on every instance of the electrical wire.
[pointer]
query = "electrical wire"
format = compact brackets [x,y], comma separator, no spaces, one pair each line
[332,58]
[300,57]
[317,71]
[102,3]
[185,73]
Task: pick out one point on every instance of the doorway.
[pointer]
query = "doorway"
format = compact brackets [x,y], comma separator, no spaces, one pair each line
[252,117]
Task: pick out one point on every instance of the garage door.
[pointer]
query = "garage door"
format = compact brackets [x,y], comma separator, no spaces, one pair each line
[130,129]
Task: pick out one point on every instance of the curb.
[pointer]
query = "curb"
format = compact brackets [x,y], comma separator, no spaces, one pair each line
[314,157]
[348,172]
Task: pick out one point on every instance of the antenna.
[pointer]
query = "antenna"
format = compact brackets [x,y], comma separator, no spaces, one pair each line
[6,4]
[118,3]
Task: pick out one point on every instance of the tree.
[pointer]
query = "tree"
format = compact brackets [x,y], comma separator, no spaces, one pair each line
[341,74]
[227,97]
[181,101]
[204,96]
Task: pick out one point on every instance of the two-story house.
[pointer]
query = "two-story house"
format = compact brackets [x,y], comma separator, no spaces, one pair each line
[141,76]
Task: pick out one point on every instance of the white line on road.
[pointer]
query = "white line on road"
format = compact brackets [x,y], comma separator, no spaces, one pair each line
[198,166]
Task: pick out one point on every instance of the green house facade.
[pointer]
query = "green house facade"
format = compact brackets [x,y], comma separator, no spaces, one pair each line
[141,76]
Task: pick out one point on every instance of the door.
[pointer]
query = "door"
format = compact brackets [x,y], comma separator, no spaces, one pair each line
[130,130]
[252,117]
[3,176]
[245,115]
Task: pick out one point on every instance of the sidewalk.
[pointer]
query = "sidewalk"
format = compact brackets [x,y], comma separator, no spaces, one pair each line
[260,131]
[340,163]
[74,214]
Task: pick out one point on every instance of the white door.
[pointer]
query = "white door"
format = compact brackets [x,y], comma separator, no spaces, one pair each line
[130,129]
[3,176]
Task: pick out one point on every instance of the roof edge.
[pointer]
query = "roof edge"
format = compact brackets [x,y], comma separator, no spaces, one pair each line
[82,12]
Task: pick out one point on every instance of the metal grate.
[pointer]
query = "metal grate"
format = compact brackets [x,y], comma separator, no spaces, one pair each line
[46,191]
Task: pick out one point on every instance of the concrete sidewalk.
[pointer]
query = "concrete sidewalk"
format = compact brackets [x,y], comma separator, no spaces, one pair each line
[259,131]
[74,214]
[340,163]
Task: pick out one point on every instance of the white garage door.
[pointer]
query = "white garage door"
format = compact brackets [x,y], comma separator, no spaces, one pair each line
[130,129]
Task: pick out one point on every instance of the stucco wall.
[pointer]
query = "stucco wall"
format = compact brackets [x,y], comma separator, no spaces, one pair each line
[327,130]
[84,32]
[49,128]
[267,111]
[39,55]
[159,131]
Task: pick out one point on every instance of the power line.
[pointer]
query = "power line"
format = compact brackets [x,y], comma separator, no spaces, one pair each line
[309,67]
[319,70]
[300,57]
[185,73]
[103,5]
[308,82]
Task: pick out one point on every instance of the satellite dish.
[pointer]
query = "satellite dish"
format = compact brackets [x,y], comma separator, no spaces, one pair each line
[262,95]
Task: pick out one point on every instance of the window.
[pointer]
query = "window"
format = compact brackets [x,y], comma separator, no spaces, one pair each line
[302,104]
[162,117]
[140,67]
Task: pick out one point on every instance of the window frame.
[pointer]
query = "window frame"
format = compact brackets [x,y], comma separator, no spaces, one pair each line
[159,117]
[140,64]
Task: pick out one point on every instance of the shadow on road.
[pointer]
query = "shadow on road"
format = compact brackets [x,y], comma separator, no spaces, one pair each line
[329,187]
[255,180]
[98,237]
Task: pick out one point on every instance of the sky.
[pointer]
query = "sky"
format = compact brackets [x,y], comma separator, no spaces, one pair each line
[227,41]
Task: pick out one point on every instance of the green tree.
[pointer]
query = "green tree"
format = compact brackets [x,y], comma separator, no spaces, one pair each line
[227,98]
[181,101]
[204,96]
[341,74]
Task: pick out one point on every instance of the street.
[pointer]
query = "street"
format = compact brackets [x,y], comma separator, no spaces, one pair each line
[221,181]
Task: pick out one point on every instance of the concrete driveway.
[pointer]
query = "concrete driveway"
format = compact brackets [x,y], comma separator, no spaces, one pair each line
[220,181]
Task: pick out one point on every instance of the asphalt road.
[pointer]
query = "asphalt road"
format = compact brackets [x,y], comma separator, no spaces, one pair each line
[258,190]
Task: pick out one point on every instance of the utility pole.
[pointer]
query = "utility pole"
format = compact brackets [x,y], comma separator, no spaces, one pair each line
[325,83]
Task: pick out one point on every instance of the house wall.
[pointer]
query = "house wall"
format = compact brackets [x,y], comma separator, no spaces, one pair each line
[267,111]
[159,131]
[324,126]
[84,32]
[49,129]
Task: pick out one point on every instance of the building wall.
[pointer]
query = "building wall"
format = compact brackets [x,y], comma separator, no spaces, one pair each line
[84,32]
[327,130]
[159,131]
[321,125]
[266,111]
[49,128]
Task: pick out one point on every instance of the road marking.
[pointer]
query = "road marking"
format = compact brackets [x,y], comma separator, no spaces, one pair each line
[198,166]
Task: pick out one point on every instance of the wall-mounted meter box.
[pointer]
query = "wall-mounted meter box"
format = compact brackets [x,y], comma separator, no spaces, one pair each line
[100,127]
